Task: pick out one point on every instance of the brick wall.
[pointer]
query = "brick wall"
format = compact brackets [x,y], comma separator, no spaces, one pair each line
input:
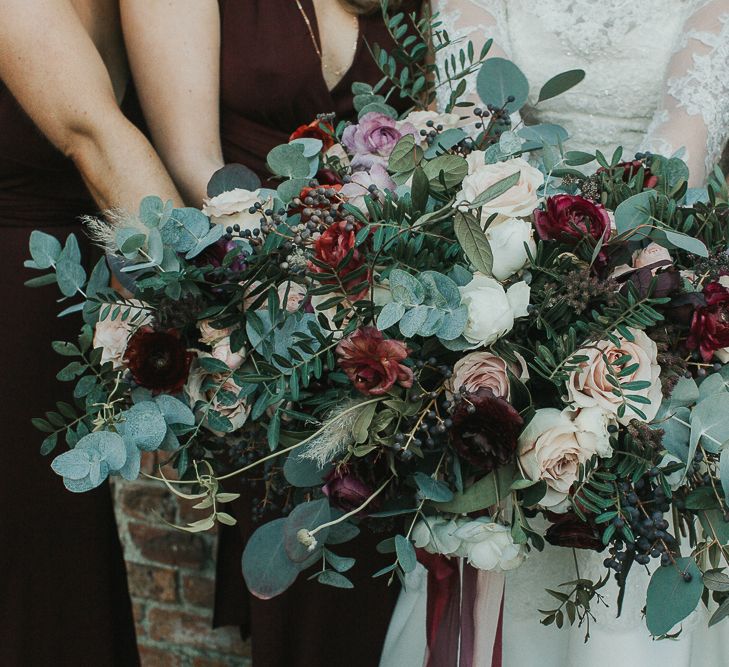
[171,575]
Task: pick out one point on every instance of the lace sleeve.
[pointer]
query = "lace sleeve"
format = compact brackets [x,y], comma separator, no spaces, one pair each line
[474,20]
[694,111]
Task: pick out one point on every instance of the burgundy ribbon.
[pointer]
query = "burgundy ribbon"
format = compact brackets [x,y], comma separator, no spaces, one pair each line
[450,613]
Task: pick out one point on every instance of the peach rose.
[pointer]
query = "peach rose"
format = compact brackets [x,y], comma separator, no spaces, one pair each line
[223,352]
[209,335]
[112,334]
[294,294]
[554,444]
[484,370]
[589,386]
[237,411]
[518,201]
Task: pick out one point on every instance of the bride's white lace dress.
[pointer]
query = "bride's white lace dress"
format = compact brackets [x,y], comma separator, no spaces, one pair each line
[657,78]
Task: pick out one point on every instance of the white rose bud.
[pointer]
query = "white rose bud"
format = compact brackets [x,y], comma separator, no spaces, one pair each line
[233,208]
[509,240]
[491,310]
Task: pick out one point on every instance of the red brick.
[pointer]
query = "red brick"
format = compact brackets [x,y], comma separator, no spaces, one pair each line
[170,546]
[154,657]
[198,591]
[185,629]
[147,500]
[153,583]
[138,612]
[218,662]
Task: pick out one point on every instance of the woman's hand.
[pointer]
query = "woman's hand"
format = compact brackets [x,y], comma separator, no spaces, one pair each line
[52,67]
[174,51]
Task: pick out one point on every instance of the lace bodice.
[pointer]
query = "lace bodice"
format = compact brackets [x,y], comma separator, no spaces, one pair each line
[657,70]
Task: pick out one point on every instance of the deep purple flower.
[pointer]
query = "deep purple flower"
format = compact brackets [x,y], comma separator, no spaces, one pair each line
[214,255]
[568,530]
[485,429]
[345,490]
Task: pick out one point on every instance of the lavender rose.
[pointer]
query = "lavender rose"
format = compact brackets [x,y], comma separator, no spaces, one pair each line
[373,138]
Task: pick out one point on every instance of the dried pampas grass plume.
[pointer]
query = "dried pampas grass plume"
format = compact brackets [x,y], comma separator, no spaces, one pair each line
[336,433]
[102,231]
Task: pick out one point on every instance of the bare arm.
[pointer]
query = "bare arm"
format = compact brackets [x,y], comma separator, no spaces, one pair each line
[174,51]
[52,67]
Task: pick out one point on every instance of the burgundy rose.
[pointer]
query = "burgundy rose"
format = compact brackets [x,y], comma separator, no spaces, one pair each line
[373,363]
[345,490]
[568,530]
[332,247]
[317,129]
[158,360]
[659,284]
[631,168]
[373,138]
[485,429]
[570,218]
[710,324]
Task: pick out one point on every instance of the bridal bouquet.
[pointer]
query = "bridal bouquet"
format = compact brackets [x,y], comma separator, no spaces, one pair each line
[438,326]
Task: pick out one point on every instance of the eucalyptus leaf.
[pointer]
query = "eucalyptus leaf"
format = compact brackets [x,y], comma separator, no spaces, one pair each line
[267,570]
[500,79]
[560,83]
[673,593]
[474,242]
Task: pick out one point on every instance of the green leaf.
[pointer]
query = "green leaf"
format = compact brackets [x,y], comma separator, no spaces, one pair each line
[390,315]
[44,249]
[634,215]
[267,570]
[560,83]
[406,155]
[304,472]
[233,177]
[500,79]
[474,242]
[360,429]
[332,578]
[481,494]
[288,160]
[496,190]
[709,424]
[413,319]
[671,598]
[406,289]
[405,553]
[686,242]
[433,489]
[144,426]
[452,168]
[716,580]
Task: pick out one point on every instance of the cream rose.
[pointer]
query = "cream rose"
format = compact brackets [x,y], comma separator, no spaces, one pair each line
[489,545]
[233,208]
[552,447]
[209,335]
[517,202]
[419,119]
[236,411]
[435,535]
[589,386]
[491,310]
[509,240]
[485,370]
[112,334]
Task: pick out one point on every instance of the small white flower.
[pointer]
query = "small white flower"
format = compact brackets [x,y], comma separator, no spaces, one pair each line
[489,545]
[509,240]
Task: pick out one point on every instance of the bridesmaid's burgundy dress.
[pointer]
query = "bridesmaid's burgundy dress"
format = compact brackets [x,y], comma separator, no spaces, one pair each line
[63,591]
[272,82]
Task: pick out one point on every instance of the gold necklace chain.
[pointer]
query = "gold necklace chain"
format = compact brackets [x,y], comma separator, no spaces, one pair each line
[337,72]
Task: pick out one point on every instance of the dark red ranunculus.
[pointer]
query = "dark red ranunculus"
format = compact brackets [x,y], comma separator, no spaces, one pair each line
[329,177]
[374,363]
[570,218]
[345,490]
[158,360]
[710,324]
[568,530]
[631,168]
[332,247]
[317,129]
[485,429]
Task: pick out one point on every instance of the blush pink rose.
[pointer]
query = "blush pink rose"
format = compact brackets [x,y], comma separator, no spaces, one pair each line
[485,370]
